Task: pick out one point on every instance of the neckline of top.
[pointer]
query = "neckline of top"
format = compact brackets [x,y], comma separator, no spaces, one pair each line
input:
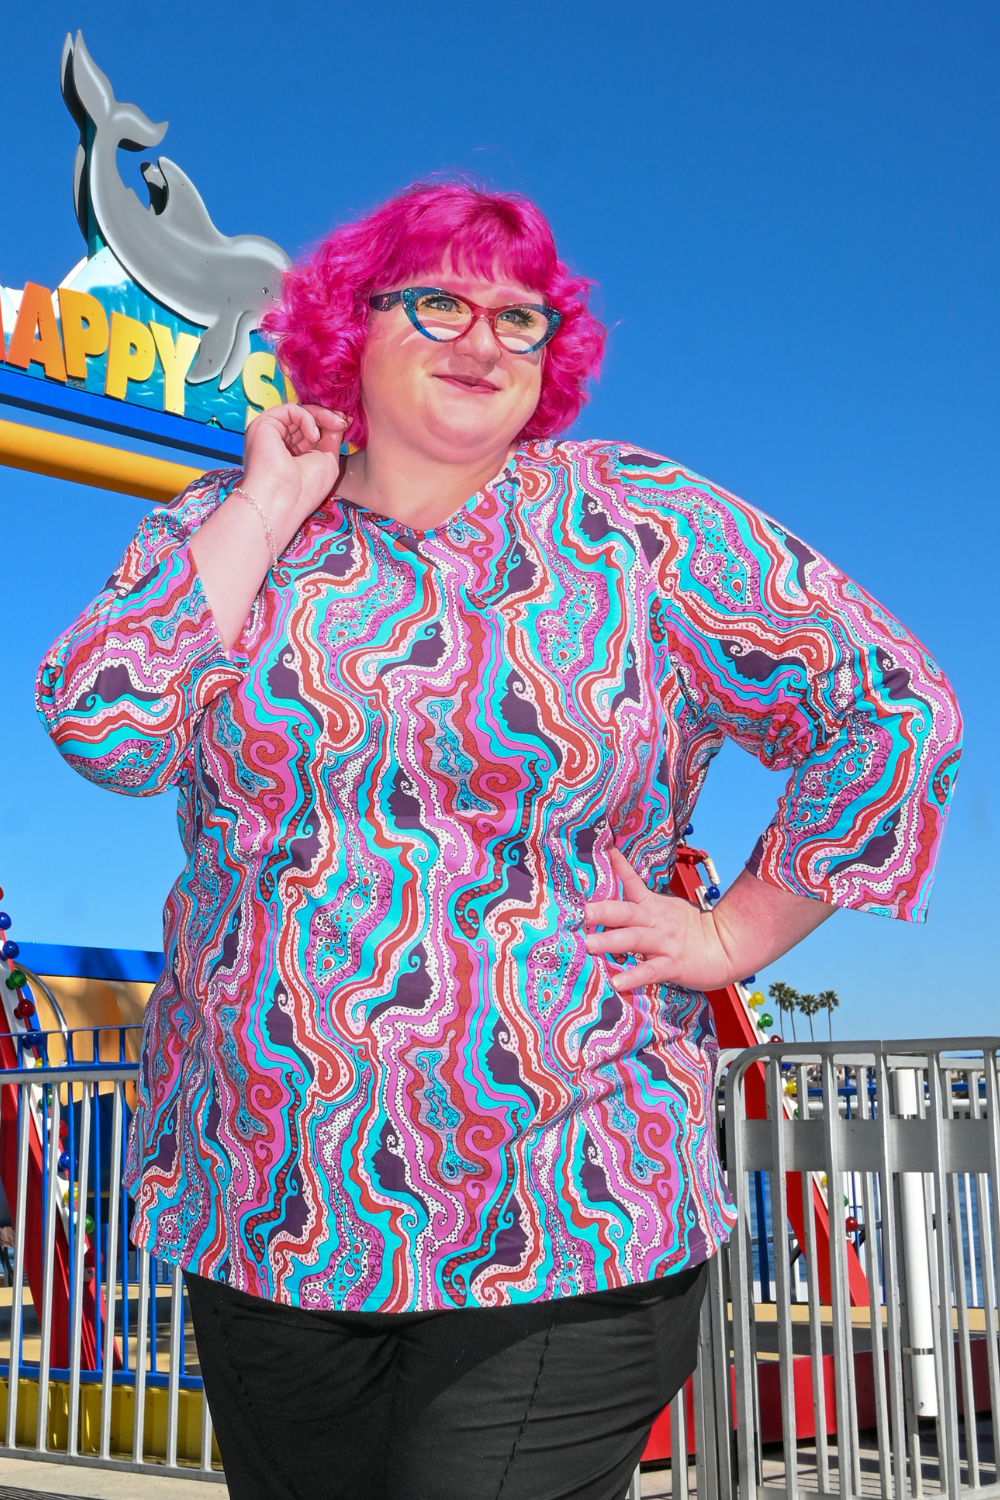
[384,523]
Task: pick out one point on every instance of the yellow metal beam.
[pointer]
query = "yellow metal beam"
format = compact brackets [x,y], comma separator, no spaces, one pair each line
[63,457]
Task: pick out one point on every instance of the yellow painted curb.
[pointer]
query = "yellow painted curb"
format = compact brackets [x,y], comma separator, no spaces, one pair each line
[189,1404]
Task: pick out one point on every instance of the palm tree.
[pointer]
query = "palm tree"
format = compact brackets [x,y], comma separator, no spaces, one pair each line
[810,1005]
[785,998]
[829,1000]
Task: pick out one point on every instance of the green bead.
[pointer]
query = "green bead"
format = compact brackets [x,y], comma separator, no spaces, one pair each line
[88,1224]
[16,979]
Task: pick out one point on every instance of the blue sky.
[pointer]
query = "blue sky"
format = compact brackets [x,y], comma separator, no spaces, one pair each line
[792,214]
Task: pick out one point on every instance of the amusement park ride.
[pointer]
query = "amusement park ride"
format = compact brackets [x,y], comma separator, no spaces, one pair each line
[153,337]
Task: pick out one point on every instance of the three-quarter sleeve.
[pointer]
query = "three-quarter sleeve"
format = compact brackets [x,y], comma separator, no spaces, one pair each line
[122,690]
[774,647]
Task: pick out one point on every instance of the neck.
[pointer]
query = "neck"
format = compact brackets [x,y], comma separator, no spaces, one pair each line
[417,490]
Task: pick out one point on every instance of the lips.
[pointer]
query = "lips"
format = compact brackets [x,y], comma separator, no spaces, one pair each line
[470,383]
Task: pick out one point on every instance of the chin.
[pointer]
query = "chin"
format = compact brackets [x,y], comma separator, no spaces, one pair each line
[467,432]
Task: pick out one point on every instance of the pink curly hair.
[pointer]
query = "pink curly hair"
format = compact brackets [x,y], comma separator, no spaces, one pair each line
[320,324]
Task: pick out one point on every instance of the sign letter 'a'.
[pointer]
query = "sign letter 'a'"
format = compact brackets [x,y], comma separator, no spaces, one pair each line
[36,334]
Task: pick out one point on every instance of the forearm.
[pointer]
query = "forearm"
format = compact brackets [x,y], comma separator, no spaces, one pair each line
[756,922]
[292,461]
[233,557]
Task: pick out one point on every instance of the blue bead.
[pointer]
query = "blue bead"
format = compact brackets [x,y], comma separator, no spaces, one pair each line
[687,830]
[10,949]
[4,921]
[713,893]
[750,979]
[64,1161]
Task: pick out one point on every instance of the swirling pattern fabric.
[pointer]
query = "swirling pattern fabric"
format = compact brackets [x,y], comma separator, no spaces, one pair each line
[380,1071]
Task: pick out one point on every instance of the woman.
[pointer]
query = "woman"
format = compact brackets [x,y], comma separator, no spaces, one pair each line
[432,1145]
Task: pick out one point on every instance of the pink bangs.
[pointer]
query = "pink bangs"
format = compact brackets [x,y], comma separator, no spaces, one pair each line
[320,325]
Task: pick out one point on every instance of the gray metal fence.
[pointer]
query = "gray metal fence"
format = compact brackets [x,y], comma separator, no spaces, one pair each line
[856,1356]
[894,1148]
[101,1366]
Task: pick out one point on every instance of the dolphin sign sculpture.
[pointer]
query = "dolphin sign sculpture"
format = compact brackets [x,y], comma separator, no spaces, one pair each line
[170,248]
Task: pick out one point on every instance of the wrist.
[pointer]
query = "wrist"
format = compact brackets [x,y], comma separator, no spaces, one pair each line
[279,500]
[715,962]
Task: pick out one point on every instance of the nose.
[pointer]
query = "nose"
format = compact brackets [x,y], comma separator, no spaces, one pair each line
[479,342]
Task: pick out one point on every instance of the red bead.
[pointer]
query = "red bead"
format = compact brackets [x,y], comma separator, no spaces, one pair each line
[851,1224]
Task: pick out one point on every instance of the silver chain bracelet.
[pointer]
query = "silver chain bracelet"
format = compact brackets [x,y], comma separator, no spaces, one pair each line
[238,489]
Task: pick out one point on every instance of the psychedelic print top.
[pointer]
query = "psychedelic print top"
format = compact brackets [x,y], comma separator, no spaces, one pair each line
[381,1072]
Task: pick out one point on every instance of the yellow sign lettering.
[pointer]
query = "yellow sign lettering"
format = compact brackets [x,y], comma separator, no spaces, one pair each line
[258,383]
[176,358]
[131,355]
[35,339]
[84,329]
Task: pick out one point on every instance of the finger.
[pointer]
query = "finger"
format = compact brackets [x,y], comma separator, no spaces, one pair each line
[647,971]
[332,425]
[621,940]
[633,885]
[306,424]
[326,417]
[612,913]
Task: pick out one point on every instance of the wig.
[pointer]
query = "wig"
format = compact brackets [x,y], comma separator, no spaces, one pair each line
[320,323]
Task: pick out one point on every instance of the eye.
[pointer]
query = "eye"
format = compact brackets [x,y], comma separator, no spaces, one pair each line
[518,317]
[440,302]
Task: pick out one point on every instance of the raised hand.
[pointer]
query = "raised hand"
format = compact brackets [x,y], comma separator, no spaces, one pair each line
[291,463]
[750,927]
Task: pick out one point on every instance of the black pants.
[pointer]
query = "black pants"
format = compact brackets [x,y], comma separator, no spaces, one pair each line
[544,1402]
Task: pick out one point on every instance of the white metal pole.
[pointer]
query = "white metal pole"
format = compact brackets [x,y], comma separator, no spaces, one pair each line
[916,1262]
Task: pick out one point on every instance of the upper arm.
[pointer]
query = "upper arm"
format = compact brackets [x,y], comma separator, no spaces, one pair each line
[779,650]
[122,690]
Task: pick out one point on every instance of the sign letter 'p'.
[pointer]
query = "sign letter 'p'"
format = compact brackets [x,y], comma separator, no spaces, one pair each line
[131,355]
[84,329]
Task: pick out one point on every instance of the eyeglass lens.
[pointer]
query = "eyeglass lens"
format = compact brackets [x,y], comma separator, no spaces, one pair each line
[445,316]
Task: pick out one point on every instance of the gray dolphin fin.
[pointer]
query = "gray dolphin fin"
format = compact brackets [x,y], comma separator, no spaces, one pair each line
[215,345]
[185,208]
[241,348]
[156,186]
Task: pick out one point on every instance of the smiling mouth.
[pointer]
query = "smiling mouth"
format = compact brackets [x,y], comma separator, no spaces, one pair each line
[470,383]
